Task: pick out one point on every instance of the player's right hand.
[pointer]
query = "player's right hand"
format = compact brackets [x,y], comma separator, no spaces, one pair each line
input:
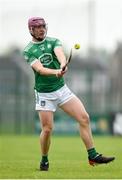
[61,72]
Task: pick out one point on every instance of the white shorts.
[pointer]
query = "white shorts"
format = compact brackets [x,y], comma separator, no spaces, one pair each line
[50,101]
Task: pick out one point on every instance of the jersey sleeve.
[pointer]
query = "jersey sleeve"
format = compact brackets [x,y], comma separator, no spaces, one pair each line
[29,58]
[57,43]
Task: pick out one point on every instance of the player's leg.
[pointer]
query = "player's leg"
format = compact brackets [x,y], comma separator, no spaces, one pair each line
[46,120]
[76,109]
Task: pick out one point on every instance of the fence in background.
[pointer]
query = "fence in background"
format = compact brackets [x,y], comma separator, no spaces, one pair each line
[16,107]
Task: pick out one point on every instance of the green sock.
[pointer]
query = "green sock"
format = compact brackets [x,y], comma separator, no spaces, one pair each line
[44,158]
[92,152]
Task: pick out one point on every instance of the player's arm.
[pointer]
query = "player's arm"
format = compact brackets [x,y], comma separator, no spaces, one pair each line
[60,55]
[37,66]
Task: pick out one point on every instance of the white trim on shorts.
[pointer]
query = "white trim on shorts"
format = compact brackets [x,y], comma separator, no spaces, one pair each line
[50,101]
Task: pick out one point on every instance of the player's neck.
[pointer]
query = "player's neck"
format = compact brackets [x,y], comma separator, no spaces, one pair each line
[37,42]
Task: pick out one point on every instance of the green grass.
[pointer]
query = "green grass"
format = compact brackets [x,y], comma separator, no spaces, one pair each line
[20,155]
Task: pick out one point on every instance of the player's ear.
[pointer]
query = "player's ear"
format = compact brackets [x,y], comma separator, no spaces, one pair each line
[46,26]
[31,30]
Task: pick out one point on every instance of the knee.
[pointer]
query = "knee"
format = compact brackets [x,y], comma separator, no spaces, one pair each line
[85,121]
[47,130]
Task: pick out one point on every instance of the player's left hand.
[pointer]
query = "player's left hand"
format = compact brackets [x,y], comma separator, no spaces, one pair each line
[64,71]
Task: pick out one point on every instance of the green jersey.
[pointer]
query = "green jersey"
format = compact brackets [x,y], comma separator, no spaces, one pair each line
[44,52]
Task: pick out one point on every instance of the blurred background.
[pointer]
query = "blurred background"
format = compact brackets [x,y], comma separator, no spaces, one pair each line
[94,74]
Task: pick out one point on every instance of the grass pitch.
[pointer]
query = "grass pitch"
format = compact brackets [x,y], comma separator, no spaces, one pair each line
[20,155]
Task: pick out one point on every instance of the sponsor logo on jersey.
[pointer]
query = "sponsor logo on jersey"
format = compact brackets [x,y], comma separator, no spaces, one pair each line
[46,59]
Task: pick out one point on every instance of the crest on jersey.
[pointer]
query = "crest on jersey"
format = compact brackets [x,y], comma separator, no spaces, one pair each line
[49,46]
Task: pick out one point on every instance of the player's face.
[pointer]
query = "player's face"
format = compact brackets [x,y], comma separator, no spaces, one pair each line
[39,32]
